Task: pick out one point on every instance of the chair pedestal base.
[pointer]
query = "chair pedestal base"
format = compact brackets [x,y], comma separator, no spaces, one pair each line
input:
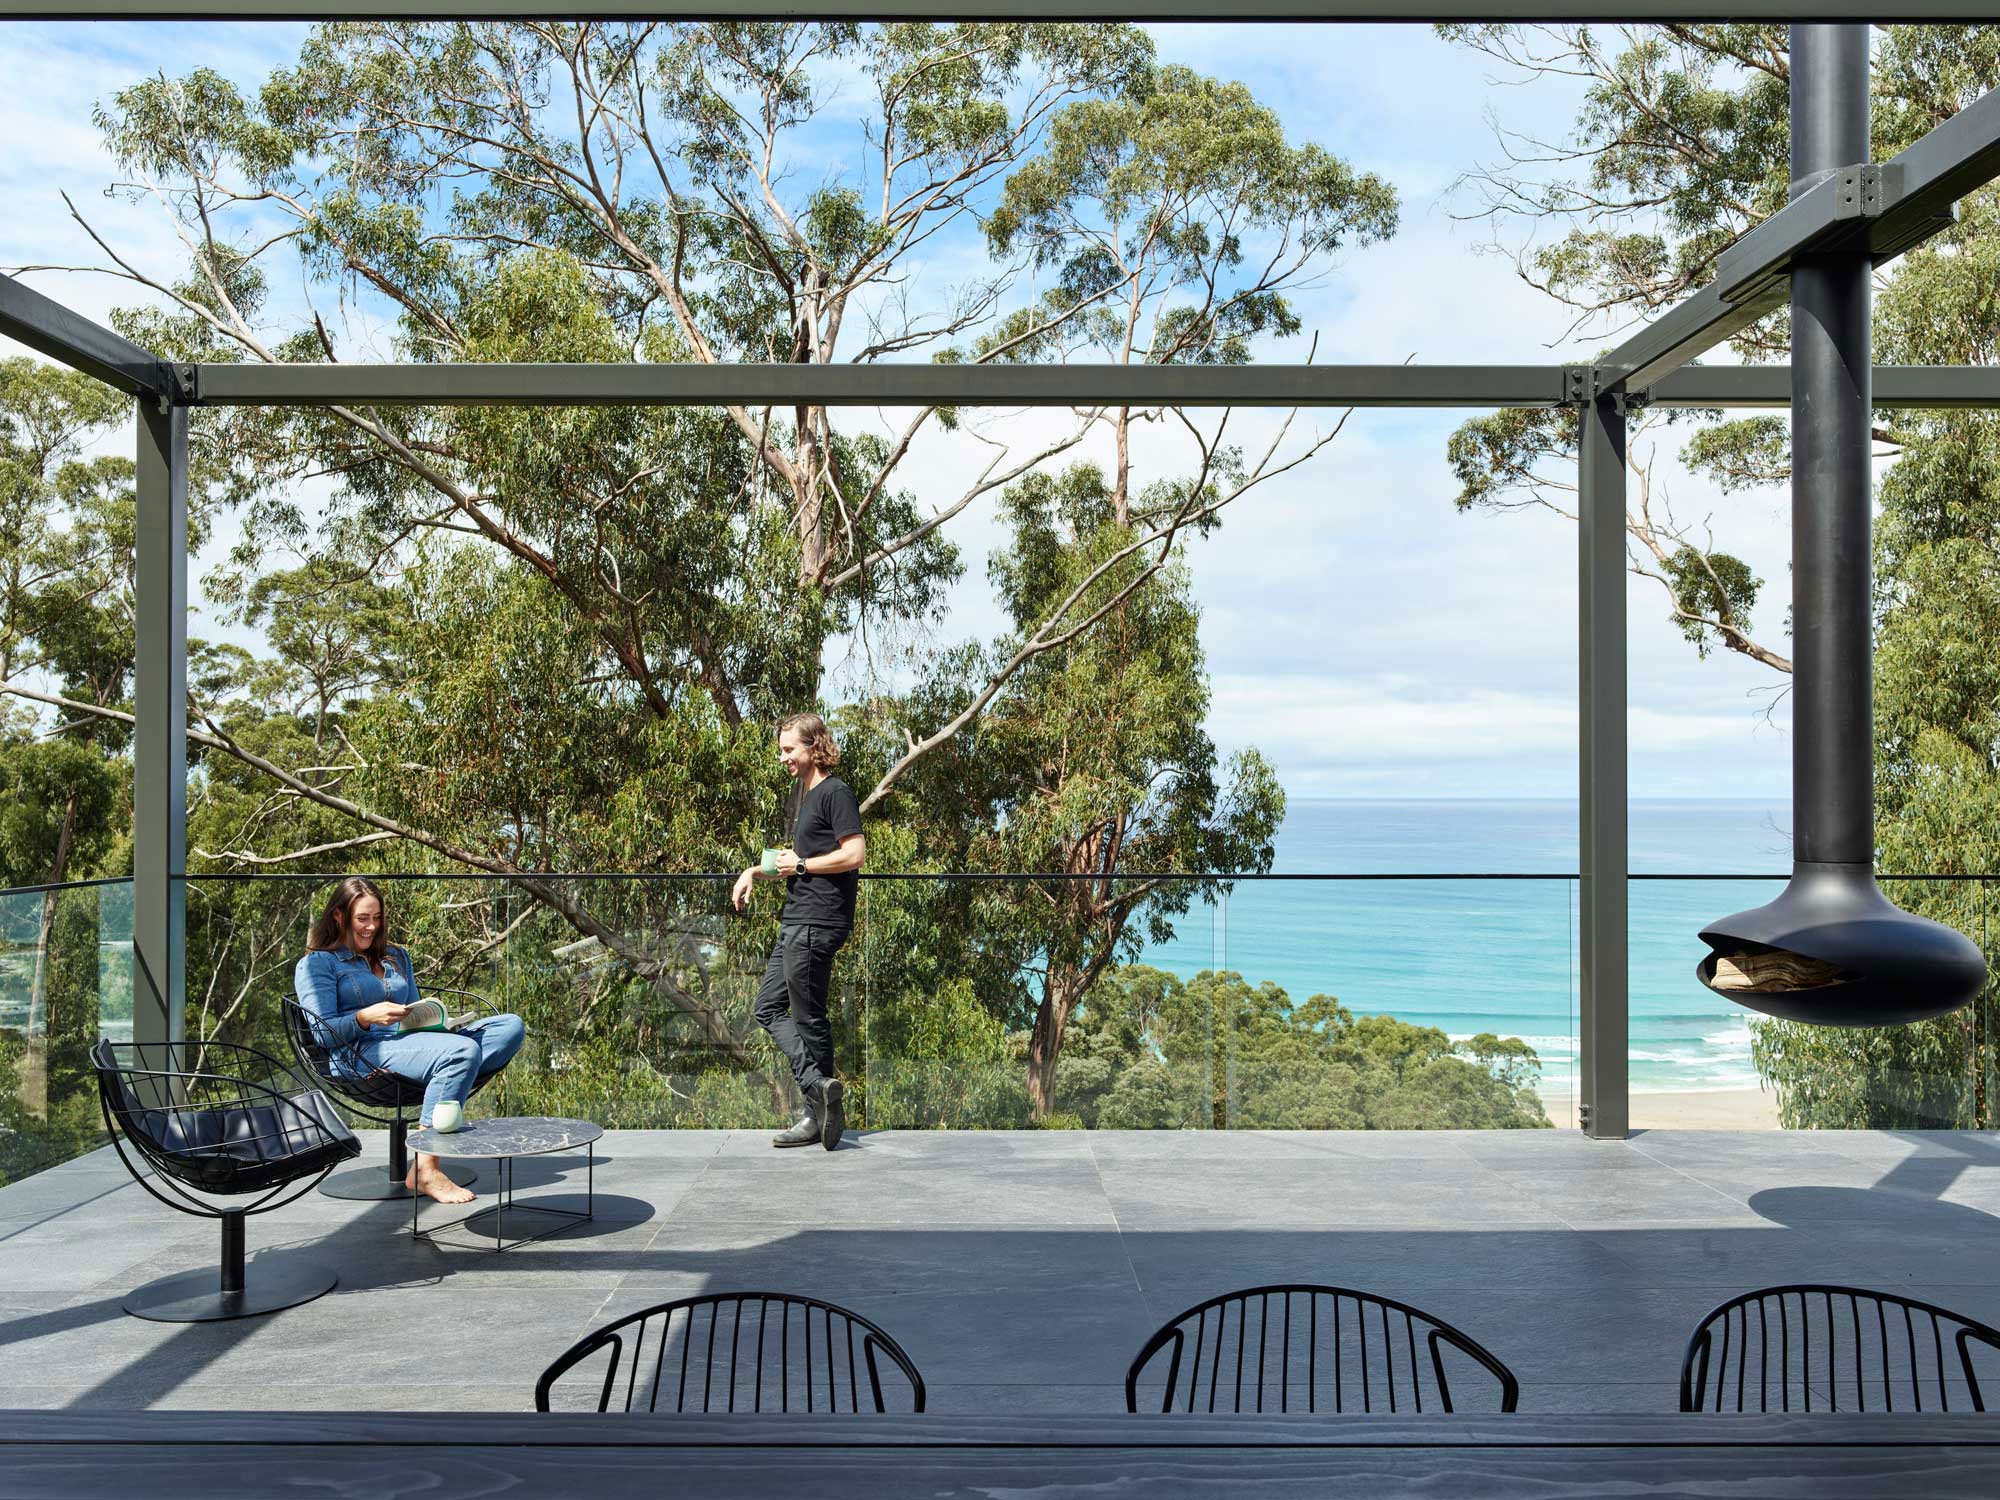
[385,1185]
[197,1296]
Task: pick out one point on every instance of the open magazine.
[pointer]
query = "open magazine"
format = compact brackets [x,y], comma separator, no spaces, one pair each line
[430,1015]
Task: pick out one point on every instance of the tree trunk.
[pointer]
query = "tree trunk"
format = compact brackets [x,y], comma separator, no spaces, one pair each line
[1045,1046]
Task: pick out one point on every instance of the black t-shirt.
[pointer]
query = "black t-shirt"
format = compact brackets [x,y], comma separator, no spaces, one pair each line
[818,822]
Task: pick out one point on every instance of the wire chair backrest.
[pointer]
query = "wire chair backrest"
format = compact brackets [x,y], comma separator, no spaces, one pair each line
[310,1043]
[737,1351]
[342,1070]
[198,1115]
[1305,1348]
[1809,1346]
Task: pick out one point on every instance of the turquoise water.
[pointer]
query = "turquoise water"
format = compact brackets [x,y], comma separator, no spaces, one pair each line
[1498,955]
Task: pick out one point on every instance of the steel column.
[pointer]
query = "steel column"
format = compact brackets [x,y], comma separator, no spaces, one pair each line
[1603,1024]
[159,775]
[1833,700]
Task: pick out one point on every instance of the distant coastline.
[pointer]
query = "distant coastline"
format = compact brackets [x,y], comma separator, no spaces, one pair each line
[1498,955]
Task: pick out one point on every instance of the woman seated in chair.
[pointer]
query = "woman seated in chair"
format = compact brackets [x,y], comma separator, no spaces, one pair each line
[359,984]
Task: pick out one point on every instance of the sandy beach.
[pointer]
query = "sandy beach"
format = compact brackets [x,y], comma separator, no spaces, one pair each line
[1696,1109]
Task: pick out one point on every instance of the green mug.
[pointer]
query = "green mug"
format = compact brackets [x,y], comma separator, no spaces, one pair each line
[770,862]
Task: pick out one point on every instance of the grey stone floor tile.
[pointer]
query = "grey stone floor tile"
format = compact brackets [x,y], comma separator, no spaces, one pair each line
[1323,1198]
[749,1151]
[1184,1268]
[688,1145]
[1639,1335]
[1732,1260]
[1156,1148]
[411,1336]
[1565,1266]
[68,1187]
[1382,1145]
[821,1192]
[1895,1145]
[1552,1151]
[833,1261]
[1728,1145]
[48,1266]
[1558,1165]
[1660,1195]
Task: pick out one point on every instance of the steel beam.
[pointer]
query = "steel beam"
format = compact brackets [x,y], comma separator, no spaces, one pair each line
[1042,10]
[1603,980]
[1913,386]
[1752,277]
[1881,210]
[47,327]
[1036,385]
[879,385]
[1943,165]
[159,772]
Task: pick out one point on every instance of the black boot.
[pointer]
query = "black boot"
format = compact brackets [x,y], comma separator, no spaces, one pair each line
[832,1115]
[803,1133]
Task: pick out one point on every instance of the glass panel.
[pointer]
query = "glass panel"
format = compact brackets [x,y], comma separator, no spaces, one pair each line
[1257,1003]
[1690,1049]
[65,976]
[1929,1076]
[1376,1003]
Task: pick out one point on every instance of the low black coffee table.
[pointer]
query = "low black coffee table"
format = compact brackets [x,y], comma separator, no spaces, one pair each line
[503,1140]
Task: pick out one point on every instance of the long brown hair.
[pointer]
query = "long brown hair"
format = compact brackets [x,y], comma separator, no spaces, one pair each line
[815,737]
[329,933]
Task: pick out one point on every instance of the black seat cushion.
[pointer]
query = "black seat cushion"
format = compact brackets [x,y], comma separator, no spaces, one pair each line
[246,1147]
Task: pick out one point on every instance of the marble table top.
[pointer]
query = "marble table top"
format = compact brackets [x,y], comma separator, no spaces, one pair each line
[530,1136]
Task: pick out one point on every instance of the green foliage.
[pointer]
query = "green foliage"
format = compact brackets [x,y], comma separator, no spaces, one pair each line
[518,640]
[1166,185]
[1708,586]
[1151,1051]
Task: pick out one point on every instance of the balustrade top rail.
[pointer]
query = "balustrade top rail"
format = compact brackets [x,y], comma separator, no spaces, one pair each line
[1332,875]
[667,876]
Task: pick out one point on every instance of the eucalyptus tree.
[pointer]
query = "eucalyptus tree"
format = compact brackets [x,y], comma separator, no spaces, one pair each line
[1682,145]
[607,608]
[1095,760]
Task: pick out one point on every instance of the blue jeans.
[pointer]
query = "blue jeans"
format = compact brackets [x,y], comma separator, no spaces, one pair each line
[449,1064]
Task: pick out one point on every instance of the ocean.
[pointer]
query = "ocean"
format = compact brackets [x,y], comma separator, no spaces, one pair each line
[1468,956]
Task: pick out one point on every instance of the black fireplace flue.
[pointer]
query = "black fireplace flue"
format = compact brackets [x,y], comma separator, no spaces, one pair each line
[1832,949]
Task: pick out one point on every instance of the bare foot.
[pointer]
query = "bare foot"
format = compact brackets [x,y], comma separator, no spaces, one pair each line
[410,1179]
[434,1183]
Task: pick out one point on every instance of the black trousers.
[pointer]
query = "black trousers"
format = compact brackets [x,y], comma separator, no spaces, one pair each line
[792,1000]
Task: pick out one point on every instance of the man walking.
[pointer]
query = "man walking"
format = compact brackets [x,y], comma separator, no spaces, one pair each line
[820,870]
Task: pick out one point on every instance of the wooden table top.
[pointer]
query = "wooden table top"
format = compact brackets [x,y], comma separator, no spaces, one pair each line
[166,1455]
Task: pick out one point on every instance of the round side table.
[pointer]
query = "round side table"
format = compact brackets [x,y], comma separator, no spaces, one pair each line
[502,1140]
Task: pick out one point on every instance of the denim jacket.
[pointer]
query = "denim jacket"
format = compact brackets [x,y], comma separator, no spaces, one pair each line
[334,985]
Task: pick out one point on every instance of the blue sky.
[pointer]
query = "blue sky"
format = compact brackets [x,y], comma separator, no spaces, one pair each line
[1362,634]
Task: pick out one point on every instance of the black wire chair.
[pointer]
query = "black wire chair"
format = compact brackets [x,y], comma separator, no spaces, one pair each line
[375,1094]
[195,1116]
[1783,1347]
[706,1353]
[1310,1349]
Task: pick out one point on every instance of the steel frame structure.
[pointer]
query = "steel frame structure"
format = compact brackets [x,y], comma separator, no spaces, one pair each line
[1877,208]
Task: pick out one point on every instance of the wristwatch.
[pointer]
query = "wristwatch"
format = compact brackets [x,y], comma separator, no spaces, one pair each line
[800,867]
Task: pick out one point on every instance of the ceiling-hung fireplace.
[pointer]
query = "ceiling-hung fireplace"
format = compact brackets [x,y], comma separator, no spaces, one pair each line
[1832,949]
